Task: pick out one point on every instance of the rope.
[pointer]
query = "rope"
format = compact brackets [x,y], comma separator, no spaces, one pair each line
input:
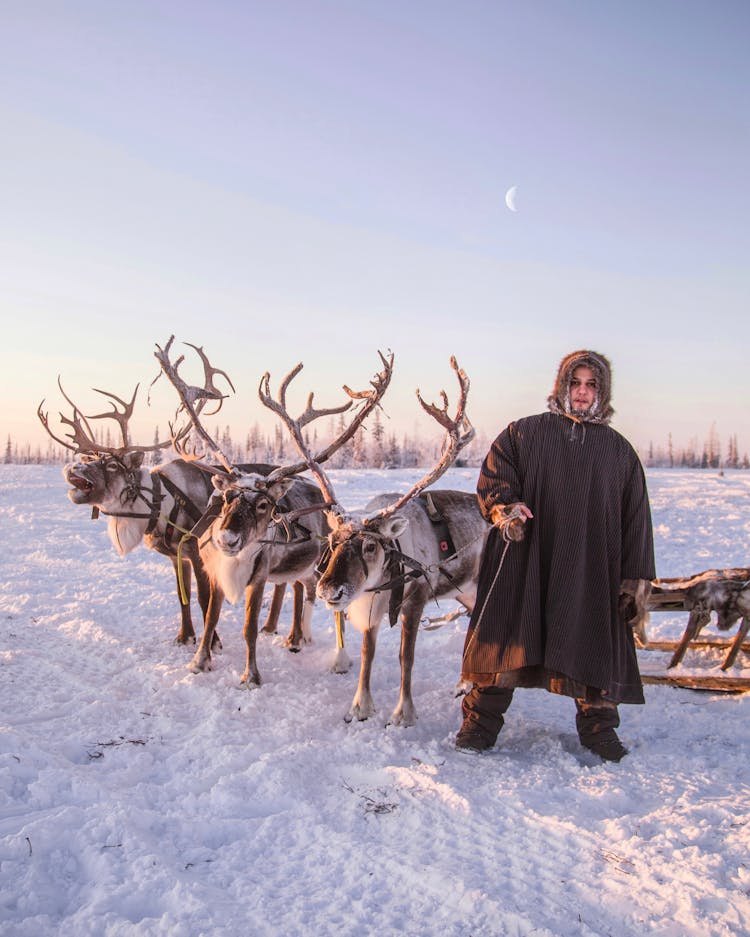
[474,633]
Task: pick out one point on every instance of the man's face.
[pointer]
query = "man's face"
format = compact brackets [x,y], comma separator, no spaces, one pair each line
[582,390]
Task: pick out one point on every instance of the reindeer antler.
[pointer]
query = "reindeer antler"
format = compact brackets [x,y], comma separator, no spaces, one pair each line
[372,399]
[82,435]
[459,433]
[121,417]
[193,399]
[295,429]
[212,391]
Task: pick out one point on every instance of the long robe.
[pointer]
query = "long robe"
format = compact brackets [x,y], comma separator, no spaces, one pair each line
[552,617]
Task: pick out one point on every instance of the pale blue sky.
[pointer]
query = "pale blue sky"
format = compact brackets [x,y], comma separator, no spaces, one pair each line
[289,180]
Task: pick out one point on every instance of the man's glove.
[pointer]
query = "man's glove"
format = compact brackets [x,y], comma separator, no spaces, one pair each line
[634,596]
[510,519]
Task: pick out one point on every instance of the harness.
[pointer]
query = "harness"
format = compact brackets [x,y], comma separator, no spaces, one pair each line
[288,521]
[134,490]
[181,502]
[404,569]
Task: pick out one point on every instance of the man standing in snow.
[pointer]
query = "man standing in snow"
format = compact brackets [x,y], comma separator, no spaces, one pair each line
[571,547]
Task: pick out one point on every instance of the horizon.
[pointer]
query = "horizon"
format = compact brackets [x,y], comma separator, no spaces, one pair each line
[316,181]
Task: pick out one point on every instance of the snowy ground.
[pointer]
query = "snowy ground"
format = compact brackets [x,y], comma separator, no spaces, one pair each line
[139,799]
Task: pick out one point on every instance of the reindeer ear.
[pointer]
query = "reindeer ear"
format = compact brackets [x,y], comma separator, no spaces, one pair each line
[279,488]
[335,519]
[220,482]
[133,460]
[391,527]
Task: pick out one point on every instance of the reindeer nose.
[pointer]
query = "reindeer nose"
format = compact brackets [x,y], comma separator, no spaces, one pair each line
[329,592]
[227,540]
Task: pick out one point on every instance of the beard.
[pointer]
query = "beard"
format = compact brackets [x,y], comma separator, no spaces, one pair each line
[584,412]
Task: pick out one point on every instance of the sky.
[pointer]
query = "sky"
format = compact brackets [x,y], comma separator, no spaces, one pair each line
[138,799]
[314,181]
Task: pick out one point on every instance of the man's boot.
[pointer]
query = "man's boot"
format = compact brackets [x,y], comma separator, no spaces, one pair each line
[483,710]
[596,726]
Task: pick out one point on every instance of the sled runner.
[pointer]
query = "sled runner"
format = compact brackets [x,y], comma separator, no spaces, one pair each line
[723,591]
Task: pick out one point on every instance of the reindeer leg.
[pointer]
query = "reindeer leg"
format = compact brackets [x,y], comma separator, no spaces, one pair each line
[202,659]
[307,610]
[405,714]
[698,618]
[277,600]
[362,705]
[304,603]
[736,644]
[253,602]
[295,638]
[203,588]
[186,634]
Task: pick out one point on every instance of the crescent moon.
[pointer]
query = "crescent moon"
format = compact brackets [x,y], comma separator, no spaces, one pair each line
[510,197]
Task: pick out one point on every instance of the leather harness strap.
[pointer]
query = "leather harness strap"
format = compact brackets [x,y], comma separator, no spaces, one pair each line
[181,502]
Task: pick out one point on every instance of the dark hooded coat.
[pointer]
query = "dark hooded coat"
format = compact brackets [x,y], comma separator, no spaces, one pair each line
[552,619]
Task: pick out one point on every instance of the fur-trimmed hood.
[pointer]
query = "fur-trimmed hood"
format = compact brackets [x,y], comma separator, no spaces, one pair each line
[559,400]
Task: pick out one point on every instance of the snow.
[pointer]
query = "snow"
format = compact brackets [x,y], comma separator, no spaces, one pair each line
[139,798]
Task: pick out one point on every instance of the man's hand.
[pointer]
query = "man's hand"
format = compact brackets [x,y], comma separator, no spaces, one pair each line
[510,519]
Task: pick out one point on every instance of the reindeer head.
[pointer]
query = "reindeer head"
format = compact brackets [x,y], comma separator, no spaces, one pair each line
[102,475]
[106,478]
[249,504]
[360,553]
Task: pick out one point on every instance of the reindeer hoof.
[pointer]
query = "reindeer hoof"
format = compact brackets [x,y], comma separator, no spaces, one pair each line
[184,638]
[341,663]
[198,665]
[402,719]
[360,713]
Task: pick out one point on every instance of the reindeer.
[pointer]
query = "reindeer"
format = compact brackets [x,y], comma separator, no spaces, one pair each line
[154,507]
[244,548]
[406,550]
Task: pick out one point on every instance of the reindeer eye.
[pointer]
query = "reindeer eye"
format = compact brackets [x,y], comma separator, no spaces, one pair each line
[368,548]
[261,505]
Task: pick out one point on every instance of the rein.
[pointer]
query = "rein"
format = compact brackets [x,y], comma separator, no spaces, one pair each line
[474,633]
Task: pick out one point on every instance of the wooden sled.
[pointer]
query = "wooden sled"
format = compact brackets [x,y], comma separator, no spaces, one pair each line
[723,591]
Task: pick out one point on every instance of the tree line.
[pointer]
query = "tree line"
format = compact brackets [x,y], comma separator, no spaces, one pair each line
[709,455]
[375,447]
[371,447]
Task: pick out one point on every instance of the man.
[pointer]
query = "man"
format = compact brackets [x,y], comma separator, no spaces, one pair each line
[571,547]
